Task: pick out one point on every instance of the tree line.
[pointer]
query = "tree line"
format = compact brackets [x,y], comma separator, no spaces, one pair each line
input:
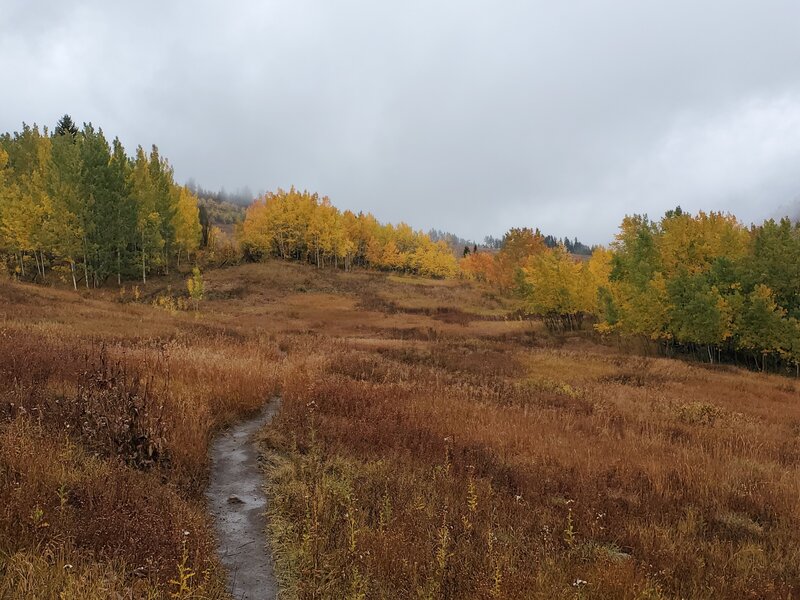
[306,227]
[73,203]
[702,284]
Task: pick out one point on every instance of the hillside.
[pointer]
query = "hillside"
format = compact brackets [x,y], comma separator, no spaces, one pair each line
[427,444]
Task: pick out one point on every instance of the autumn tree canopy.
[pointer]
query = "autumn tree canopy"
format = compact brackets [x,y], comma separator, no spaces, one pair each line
[701,282]
[306,227]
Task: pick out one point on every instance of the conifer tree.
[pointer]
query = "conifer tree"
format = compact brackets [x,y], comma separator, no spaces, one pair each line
[65,127]
[100,211]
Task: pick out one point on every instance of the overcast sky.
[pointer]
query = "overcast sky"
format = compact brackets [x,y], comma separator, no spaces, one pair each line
[467,116]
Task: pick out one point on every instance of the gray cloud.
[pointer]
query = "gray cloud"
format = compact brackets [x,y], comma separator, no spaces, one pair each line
[471,116]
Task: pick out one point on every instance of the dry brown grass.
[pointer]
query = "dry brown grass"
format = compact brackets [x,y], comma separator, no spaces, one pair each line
[106,411]
[426,447]
[487,471]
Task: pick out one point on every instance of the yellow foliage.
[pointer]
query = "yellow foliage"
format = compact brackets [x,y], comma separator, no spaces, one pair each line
[303,226]
[187,223]
[558,283]
[692,243]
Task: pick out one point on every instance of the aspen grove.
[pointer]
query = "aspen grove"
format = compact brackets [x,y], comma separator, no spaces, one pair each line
[703,285]
[74,205]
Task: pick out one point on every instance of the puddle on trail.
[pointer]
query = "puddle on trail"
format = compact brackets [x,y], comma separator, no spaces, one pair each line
[237,502]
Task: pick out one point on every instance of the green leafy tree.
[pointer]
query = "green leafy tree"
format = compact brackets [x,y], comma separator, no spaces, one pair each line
[148,220]
[774,260]
[165,202]
[762,327]
[698,314]
[640,288]
[63,224]
[121,237]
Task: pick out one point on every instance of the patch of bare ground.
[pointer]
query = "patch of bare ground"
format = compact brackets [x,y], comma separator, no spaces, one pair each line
[237,502]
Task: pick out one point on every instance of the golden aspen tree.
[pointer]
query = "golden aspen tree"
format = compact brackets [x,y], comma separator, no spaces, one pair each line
[5,198]
[196,287]
[556,282]
[391,257]
[186,225]
[25,207]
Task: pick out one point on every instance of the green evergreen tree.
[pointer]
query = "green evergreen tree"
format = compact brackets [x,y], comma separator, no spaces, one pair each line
[65,127]
[98,213]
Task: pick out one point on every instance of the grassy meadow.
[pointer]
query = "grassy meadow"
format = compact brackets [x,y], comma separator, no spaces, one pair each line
[429,445]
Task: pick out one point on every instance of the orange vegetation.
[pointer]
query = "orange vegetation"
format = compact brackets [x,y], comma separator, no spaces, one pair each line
[427,446]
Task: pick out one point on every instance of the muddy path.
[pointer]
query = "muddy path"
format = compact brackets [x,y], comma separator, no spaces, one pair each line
[237,502]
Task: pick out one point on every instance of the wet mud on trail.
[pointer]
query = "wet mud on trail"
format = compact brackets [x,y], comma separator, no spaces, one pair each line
[237,502]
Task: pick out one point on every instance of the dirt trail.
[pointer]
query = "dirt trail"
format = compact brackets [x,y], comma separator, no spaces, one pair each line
[237,502]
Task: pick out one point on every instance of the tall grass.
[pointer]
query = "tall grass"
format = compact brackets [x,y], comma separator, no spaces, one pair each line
[103,457]
[483,470]
[427,447]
